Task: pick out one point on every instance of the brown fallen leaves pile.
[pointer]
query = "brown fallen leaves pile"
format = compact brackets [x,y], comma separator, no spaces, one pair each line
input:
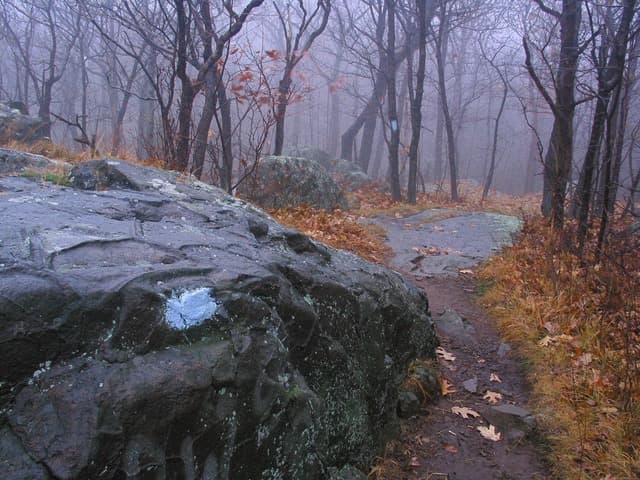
[577,322]
[338,229]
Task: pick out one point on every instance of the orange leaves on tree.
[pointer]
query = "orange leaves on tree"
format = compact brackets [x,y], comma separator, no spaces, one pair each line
[273,54]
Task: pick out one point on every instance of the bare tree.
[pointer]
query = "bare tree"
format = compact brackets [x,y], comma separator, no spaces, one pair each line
[185,13]
[440,46]
[297,44]
[423,15]
[61,26]
[559,157]
[609,59]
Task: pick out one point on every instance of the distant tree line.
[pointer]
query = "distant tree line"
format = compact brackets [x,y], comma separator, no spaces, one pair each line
[524,95]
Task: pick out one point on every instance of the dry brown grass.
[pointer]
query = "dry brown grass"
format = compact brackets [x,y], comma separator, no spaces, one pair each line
[577,324]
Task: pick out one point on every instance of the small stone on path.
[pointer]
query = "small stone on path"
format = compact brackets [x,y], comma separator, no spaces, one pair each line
[503,349]
[471,385]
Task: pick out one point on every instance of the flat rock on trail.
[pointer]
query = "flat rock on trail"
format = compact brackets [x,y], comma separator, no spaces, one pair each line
[432,248]
[444,241]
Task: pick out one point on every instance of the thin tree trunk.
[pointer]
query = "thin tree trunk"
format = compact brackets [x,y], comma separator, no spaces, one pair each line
[448,124]
[494,148]
[416,103]
[225,138]
[201,139]
[533,160]
[284,88]
[394,126]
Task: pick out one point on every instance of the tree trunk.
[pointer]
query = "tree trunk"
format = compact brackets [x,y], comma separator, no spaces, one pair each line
[394,126]
[416,103]
[533,160]
[494,148]
[145,131]
[448,124]
[559,158]
[187,93]
[284,88]
[201,139]
[366,142]
[225,138]
[371,109]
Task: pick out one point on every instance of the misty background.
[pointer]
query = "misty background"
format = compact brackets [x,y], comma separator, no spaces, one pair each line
[200,85]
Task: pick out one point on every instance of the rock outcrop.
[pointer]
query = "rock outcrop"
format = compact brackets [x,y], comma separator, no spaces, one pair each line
[349,175]
[280,182]
[154,327]
[14,161]
[15,124]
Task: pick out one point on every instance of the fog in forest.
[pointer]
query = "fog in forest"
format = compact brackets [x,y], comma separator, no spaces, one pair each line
[208,87]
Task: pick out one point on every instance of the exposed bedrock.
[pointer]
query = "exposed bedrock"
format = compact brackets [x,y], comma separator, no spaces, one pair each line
[155,327]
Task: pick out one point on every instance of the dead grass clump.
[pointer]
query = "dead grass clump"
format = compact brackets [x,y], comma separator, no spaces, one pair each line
[577,323]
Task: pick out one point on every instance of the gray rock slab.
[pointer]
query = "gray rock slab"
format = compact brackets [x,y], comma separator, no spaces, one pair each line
[459,241]
[503,349]
[453,325]
[471,385]
[14,161]
[508,418]
[153,323]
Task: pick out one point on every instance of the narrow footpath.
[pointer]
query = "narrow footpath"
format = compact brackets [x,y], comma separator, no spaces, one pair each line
[481,429]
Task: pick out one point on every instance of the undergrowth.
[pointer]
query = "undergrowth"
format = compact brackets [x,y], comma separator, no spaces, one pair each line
[576,322]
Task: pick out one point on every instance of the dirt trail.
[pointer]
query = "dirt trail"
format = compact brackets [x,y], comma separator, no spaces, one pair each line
[438,444]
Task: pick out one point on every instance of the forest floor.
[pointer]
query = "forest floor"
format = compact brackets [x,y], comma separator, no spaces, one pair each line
[482,378]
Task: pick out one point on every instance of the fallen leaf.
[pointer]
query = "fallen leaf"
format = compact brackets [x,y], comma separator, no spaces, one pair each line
[546,341]
[465,412]
[490,433]
[492,397]
[609,411]
[564,338]
[495,378]
[446,387]
[585,359]
[451,448]
[443,354]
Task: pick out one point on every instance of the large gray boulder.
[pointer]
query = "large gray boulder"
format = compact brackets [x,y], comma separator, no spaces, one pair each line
[15,124]
[310,153]
[280,182]
[349,175]
[15,161]
[154,327]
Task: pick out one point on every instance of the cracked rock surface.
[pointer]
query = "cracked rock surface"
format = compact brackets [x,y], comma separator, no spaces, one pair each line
[154,327]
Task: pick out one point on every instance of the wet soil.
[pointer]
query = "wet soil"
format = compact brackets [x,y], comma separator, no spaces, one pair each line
[437,444]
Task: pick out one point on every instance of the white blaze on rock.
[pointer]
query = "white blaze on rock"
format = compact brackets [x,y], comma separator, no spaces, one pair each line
[190,308]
